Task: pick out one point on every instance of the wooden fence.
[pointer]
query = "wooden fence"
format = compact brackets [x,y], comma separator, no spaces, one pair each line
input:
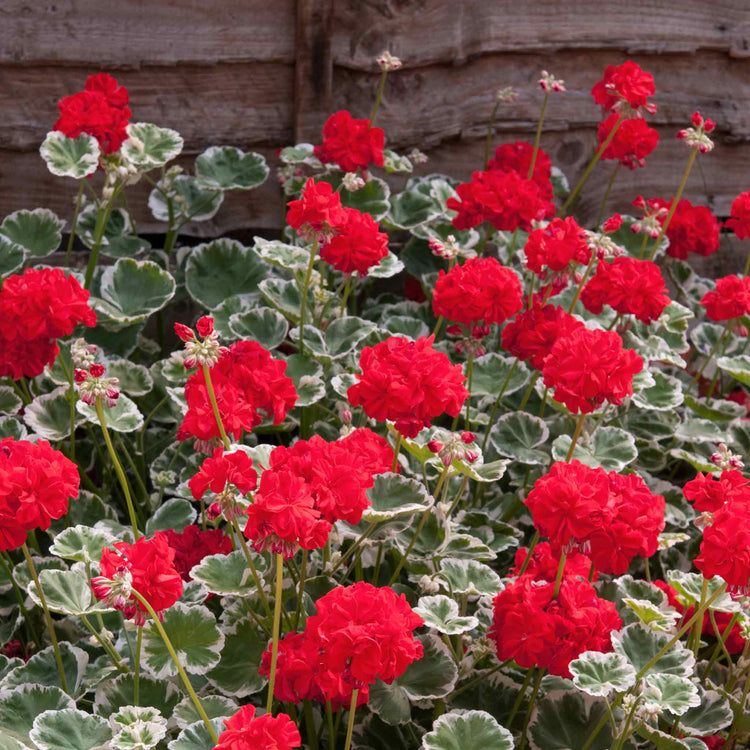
[261,75]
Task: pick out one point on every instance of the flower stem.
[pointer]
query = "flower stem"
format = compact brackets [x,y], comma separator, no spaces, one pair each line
[709,358]
[469,375]
[538,136]
[496,405]
[102,220]
[583,281]
[345,297]
[559,576]
[183,676]
[303,299]
[47,618]
[137,670]
[529,553]
[611,182]
[521,695]
[396,451]
[350,725]
[695,634]
[72,237]
[721,643]
[275,632]
[27,620]
[215,407]
[527,720]
[576,435]
[436,329]
[488,140]
[529,390]
[302,576]
[251,565]
[378,97]
[118,468]
[105,645]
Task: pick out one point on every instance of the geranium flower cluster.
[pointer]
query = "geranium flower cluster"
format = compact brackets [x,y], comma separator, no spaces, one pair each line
[246,731]
[632,142]
[407,382]
[730,299]
[350,143]
[516,157]
[192,544]
[38,307]
[692,229]
[610,517]
[558,247]
[360,633]
[36,482]
[224,474]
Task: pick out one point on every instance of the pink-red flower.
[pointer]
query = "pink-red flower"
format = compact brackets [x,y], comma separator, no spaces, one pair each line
[192,544]
[556,247]
[516,157]
[357,246]
[739,216]
[624,88]
[693,229]
[407,382]
[730,299]
[633,141]
[318,212]
[708,492]
[372,451]
[481,291]
[220,469]
[544,563]
[245,731]
[350,143]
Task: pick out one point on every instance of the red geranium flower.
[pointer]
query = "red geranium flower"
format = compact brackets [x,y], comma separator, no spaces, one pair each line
[629,286]
[235,468]
[627,84]
[731,299]
[739,221]
[481,291]
[36,483]
[350,143]
[531,334]
[556,247]
[516,157]
[246,732]
[192,544]
[407,382]
[358,245]
[319,210]
[373,452]
[708,492]
[544,563]
[506,199]
[146,566]
[693,229]
[633,141]
[588,367]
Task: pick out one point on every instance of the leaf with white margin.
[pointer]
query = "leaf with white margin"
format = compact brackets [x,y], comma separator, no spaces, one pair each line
[150,146]
[39,231]
[131,714]
[133,290]
[441,613]
[124,416]
[301,153]
[140,728]
[196,737]
[738,367]
[113,695]
[698,462]
[565,719]
[48,415]
[307,376]
[639,645]
[343,382]
[195,637]
[690,585]
[713,713]
[467,730]
[215,706]
[22,574]
[480,471]
[393,496]
[221,269]
[230,168]
[669,539]
[175,514]
[67,592]
[190,201]
[70,157]
[263,324]
[385,268]
[70,729]
[281,254]
[135,380]
[518,435]
[600,674]
[41,669]
[12,256]
[664,395]
[236,675]
[700,431]
[226,575]
[470,577]
[9,402]
[663,741]
[670,692]
[613,449]
[491,371]
[19,707]
[661,619]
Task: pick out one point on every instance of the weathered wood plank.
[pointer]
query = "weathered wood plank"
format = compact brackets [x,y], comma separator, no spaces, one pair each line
[137,32]
[423,32]
[242,104]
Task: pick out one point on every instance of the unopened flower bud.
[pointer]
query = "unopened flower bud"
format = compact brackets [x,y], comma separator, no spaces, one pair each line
[82,353]
[548,83]
[416,156]
[388,62]
[346,416]
[468,437]
[506,95]
[353,182]
[434,446]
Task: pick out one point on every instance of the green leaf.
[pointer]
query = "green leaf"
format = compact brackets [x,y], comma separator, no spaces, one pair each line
[699,463]
[600,674]
[133,290]
[70,157]
[221,269]
[236,674]
[663,741]
[403,325]
[174,514]
[12,256]
[39,232]
[135,380]
[112,695]
[713,713]
[307,376]
[700,431]
[670,692]
[9,402]
[371,199]
[386,267]
[491,371]
[715,409]
[67,592]
[564,720]
[262,324]
[150,146]
[738,367]
[139,736]
[122,417]
[517,435]
[282,255]
[195,637]
[652,616]
[48,415]
[470,577]
[190,201]
[344,334]
[229,168]
[393,496]
[410,209]
[664,395]
[226,575]
[41,669]
[196,737]
[467,730]
[612,449]
[394,163]
[689,587]
[19,708]
[639,645]
[70,729]
[302,153]
[215,706]
[285,296]
[441,613]
[118,240]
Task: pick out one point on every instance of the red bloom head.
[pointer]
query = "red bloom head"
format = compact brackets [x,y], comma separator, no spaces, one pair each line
[350,143]
[739,221]
[506,199]
[559,245]
[629,286]
[371,451]
[357,246]
[516,157]
[531,334]
[36,483]
[146,566]
[625,88]
[100,111]
[482,290]
[234,468]
[693,229]
[407,382]
[730,299]
[544,563]
[318,211]
[246,732]
[192,544]
[633,141]
[708,492]
[588,367]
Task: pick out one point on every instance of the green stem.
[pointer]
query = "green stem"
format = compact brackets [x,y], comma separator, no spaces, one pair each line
[275,632]
[708,358]
[576,435]
[134,468]
[496,405]
[72,237]
[302,575]
[469,375]
[251,565]
[583,282]
[378,97]
[529,553]
[118,468]
[101,225]
[215,407]
[527,720]
[521,695]
[312,735]
[538,138]
[171,239]
[488,140]
[47,618]
[611,182]
[365,535]
[345,297]
[739,712]
[695,634]
[105,645]
[559,576]
[396,451]
[331,730]
[176,660]
[475,681]
[350,725]
[720,645]
[529,390]
[303,299]
[7,568]
[137,670]
[436,329]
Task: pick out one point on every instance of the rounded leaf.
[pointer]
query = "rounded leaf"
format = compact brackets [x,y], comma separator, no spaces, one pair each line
[226,575]
[393,495]
[467,730]
[441,613]
[70,729]
[12,256]
[196,737]
[48,415]
[190,201]
[236,674]
[150,146]
[9,402]
[41,669]
[70,157]
[229,168]
[517,435]
[19,708]
[611,449]
[600,674]
[39,231]
[176,514]
[124,416]
[491,371]
[262,324]
[670,692]
[470,577]
[81,543]
[66,591]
